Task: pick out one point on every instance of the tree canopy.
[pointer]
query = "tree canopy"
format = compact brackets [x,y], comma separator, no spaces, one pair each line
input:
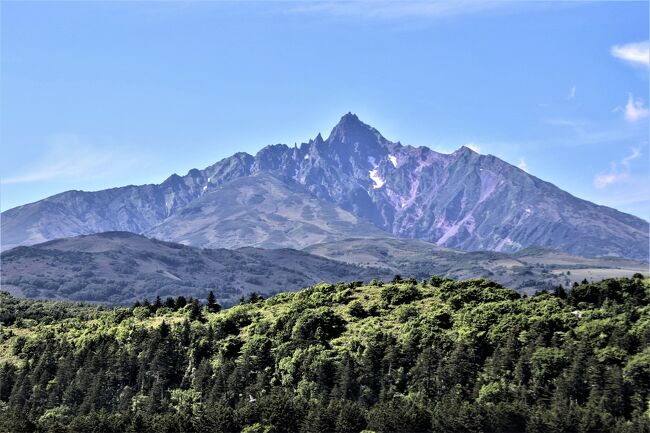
[436,356]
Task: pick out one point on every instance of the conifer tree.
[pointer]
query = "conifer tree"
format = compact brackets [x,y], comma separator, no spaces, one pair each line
[212,304]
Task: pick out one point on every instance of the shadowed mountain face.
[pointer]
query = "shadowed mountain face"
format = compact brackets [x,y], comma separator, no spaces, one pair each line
[349,185]
[120,267]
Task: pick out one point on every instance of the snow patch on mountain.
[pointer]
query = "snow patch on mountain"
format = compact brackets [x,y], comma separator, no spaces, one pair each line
[393,160]
[376,179]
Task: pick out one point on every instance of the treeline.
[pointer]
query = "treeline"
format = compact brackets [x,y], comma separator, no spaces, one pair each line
[174,304]
[405,356]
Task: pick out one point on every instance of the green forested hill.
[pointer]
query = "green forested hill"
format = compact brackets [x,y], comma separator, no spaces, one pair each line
[436,356]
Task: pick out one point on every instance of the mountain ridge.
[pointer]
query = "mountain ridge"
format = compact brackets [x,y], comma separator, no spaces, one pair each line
[120,267]
[462,200]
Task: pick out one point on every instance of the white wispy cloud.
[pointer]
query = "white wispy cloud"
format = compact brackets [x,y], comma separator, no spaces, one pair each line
[631,157]
[619,171]
[405,9]
[522,164]
[607,179]
[572,92]
[635,109]
[474,147]
[635,193]
[394,9]
[69,156]
[637,53]
[574,123]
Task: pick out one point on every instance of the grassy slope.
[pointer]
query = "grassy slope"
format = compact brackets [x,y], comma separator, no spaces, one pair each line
[526,271]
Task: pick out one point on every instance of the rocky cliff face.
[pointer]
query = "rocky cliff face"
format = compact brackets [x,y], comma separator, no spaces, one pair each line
[461,200]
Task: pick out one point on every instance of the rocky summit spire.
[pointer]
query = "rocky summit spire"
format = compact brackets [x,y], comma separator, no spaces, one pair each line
[350,122]
[351,130]
[350,119]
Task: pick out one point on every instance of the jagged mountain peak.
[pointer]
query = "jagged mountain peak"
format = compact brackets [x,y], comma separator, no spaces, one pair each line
[466,149]
[351,130]
[350,120]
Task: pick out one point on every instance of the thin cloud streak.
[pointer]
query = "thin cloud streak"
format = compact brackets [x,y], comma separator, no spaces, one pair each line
[607,179]
[618,173]
[632,197]
[637,196]
[68,156]
[396,10]
[634,155]
[566,122]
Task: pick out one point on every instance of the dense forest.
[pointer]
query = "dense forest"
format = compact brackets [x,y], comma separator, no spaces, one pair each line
[404,356]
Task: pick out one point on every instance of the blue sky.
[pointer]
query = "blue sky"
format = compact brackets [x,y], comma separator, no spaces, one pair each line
[103,94]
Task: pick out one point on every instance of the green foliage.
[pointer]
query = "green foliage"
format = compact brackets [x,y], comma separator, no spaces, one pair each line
[356,309]
[445,356]
[319,325]
[400,294]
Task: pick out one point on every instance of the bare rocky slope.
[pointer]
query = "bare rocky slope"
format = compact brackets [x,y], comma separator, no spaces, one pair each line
[335,188]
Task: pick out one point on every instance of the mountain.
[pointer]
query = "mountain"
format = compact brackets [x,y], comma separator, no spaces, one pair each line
[526,271]
[462,200]
[120,267]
